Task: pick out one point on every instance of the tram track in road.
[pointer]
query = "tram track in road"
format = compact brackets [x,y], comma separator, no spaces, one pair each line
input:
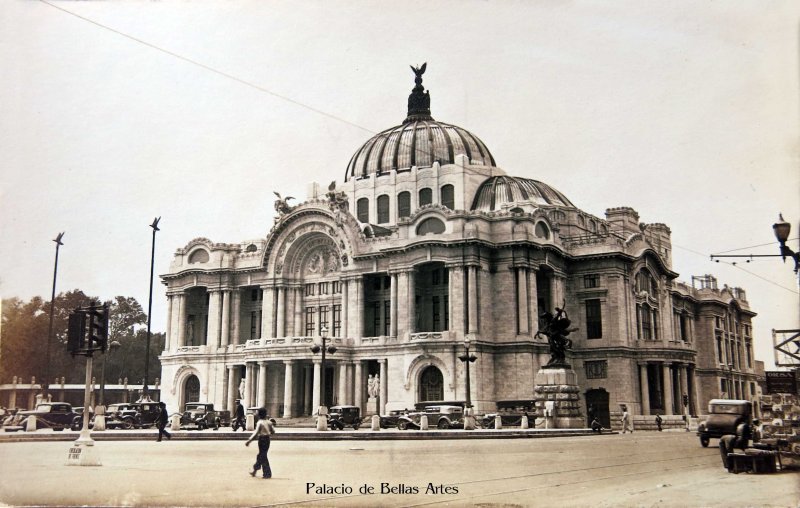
[698,461]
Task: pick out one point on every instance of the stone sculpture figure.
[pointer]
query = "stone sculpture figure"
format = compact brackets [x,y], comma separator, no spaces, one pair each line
[556,330]
[373,385]
[282,205]
[241,389]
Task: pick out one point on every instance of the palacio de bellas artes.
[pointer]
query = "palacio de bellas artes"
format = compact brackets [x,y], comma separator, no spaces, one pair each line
[426,247]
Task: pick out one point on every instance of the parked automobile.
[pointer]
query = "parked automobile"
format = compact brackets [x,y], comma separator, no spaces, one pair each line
[55,415]
[340,417]
[146,414]
[724,415]
[202,415]
[389,421]
[443,417]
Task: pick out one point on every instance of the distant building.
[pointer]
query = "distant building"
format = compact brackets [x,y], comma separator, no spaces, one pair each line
[424,243]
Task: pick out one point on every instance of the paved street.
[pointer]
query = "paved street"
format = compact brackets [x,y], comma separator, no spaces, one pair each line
[643,469]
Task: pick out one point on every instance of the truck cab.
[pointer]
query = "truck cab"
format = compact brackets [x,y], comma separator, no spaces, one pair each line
[724,415]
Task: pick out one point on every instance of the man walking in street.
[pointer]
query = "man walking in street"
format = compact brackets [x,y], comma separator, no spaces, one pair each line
[264,429]
[239,418]
[161,421]
[658,421]
[627,424]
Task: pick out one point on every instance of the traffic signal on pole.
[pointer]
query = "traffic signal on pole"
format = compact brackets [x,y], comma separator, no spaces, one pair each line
[76,332]
[98,327]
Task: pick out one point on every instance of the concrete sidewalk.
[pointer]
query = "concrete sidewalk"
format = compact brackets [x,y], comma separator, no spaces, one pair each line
[297,434]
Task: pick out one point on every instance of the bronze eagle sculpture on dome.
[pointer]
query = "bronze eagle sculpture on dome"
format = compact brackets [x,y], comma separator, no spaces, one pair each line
[282,204]
[418,72]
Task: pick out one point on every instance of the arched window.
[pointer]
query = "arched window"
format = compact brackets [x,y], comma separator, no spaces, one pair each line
[362,210]
[198,256]
[448,197]
[383,209]
[542,231]
[517,210]
[251,248]
[432,226]
[192,389]
[645,282]
[431,384]
[404,204]
[425,196]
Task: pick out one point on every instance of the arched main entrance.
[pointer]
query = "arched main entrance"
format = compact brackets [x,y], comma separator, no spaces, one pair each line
[431,384]
[191,390]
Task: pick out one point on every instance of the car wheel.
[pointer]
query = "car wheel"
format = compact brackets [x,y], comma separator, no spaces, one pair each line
[127,423]
[355,426]
[402,425]
[76,424]
[704,441]
[443,424]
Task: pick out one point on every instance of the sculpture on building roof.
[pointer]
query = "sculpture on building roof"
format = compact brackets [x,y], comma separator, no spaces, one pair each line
[419,102]
[556,330]
[282,205]
[336,200]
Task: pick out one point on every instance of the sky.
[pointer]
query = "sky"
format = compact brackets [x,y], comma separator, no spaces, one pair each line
[114,113]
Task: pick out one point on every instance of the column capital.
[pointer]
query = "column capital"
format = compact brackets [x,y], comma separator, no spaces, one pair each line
[382,360]
[262,363]
[289,362]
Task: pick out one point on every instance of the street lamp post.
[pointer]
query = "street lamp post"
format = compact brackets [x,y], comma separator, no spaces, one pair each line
[111,346]
[467,358]
[782,230]
[322,421]
[145,392]
[46,379]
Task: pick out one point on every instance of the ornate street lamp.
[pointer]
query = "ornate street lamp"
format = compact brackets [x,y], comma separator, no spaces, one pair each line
[322,421]
[467,358]
[46,378]
[782,230]
[145,391]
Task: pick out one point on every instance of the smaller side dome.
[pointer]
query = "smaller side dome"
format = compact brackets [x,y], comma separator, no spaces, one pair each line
[500,190]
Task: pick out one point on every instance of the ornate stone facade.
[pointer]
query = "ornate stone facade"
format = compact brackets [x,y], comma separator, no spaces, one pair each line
[401,262]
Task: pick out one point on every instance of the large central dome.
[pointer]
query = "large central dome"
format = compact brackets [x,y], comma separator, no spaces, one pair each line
[418,141]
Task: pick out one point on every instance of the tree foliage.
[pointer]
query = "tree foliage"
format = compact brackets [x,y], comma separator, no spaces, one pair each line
[24,340]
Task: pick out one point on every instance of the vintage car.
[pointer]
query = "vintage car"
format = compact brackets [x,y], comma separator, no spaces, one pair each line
[49,415]
[202,415]
[340,417]
[389,421]
[724,415]
[442,417]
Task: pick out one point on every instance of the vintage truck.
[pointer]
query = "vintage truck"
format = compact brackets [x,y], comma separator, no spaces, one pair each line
[202,415]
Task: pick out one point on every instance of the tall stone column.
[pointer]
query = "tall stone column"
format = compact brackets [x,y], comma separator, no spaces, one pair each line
[169,334]
[523,319]
[231,400]
[184,316]
[393,307]
[298,312]
[695,398]
[342,388]
[668,406]
[236,310]
[533,301]
[411,299]
[267,307]
[226,318]
[317,385]
[457,304]
[358,388]
[214,309]
[262,384]
[384,386]
[280,317]
[645,388]
[288,389]
[472,296]
[248,384]
[308,399]
[345,308]
[403,320]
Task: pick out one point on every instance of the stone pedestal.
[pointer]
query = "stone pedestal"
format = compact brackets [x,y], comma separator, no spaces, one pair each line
[372,407]
[557,389]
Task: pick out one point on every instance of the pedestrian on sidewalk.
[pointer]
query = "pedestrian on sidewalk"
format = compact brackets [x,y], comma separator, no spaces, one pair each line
[161,421]
[658,421]
[627,423]
[239,420]
[596,426]
[264,429]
